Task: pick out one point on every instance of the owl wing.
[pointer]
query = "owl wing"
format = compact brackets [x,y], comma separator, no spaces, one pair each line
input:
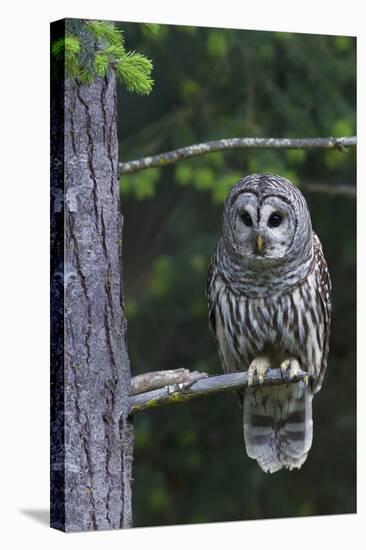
[215,283]
[211,276]
[324,287]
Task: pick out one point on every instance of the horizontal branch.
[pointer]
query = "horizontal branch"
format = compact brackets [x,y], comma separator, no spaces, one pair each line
[185,391]
[171,157]
[157,379]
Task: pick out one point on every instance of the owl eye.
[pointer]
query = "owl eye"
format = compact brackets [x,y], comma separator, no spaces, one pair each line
[274,220]
[247,220]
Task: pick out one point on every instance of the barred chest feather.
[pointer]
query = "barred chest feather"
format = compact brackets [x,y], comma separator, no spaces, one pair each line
[282,324]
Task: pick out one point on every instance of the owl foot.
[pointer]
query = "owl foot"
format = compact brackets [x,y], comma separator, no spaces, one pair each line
[291,367]
[258,367]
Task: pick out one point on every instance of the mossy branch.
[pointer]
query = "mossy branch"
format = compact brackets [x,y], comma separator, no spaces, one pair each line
[185,390]
[154,380]
[183,153]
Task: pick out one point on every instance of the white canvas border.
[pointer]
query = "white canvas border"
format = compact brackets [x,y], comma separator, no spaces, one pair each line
[25,261]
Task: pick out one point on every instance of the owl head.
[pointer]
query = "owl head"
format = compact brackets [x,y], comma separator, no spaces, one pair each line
[266,220]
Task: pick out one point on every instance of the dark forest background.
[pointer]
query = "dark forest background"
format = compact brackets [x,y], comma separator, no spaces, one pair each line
[190,463]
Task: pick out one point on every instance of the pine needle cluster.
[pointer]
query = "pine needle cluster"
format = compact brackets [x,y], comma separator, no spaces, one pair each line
[132,69]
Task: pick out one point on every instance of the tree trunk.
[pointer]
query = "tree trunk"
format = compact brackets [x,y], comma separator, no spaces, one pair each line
[91,442]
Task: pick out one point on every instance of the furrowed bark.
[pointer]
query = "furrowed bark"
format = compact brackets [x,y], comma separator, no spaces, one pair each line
[93,447]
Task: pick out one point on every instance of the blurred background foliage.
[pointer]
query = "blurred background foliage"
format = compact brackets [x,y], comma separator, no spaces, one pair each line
[190,464]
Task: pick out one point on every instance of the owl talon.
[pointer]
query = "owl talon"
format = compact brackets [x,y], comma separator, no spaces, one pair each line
[290,368]
[258,367]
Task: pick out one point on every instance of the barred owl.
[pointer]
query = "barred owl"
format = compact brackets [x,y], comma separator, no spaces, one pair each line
[268,292]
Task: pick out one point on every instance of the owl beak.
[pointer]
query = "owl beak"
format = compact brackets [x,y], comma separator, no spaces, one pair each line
[259,243]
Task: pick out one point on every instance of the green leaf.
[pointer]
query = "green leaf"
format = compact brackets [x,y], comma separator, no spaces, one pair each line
[85,75]
[193,460]
[188,29]
[115,52]
[144,189]
[107,32]
[217,43]
[141,437]
[296,156]
[223,185]
[216,159]
[183,173]
[68,45]
[159,499]
[290,175]
[199,308]
[69,48]
[134,71]
[187,438]
[141,185]
[203,178]
[189,88]
[151,29]
[342,127]
[101,63]
[198,263]
[131,308]
[162,276]
[334,159]
[343,43]
[284,36]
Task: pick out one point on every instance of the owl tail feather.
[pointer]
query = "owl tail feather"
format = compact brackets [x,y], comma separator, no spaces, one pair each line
[278,426]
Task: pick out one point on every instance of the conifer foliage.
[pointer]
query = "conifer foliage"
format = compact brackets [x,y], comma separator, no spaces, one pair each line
[99,48]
